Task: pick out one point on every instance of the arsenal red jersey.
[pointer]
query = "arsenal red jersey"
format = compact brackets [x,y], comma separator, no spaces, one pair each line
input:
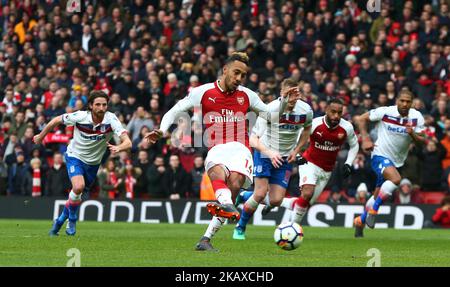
[224,114]
[326,142]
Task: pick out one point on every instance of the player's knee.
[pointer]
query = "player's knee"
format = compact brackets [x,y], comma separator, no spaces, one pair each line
[78,187]
[396,180]
[307,193]
[234,186]
[258,197]
[276,201]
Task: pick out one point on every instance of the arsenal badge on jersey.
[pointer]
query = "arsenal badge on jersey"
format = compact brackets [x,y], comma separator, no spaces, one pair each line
[340,136]
[240,100]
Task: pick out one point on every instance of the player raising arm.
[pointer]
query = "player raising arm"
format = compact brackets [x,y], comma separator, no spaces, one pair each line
[397,127]
[93,130]
[229,163]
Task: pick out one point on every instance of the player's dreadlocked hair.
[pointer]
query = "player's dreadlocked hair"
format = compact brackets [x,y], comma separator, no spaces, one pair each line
[96,94]
[237,56]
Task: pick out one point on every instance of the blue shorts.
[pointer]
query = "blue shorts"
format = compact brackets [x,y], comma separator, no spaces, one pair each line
[265,169]
[77,167]
[379,163]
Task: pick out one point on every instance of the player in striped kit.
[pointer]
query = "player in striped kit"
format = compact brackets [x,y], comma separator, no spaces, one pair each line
[93,131]
[397,127]
[229,163]
[277,145]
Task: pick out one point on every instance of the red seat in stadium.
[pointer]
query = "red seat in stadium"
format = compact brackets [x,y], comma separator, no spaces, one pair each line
[434,197]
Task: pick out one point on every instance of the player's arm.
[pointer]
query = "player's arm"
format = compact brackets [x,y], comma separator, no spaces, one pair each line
[362,123]
[125,144]
[56,121]
[417,133]
[257,132]
[302,141]
[183,105]
[274,156]
[352,140]
[304,137]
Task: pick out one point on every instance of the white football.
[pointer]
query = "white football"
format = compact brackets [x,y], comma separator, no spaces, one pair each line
[288,236]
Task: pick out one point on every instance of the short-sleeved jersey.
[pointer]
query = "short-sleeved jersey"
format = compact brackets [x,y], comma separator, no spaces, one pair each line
[282,136]
[393,141]
[224,113]
[90,141]
[326,142]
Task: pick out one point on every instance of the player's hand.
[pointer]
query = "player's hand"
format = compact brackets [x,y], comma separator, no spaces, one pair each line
[346,170]
[367,145]
[275,158]
[37,139]
[114,149]
[292,157]
[153,136]
[287,92]
[409,129]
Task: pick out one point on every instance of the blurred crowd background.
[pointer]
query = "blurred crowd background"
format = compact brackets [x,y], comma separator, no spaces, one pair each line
[147,55]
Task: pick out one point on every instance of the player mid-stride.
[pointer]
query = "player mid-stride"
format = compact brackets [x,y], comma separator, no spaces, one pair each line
[229,163]
[397,126]
[93,130]
[328,134]
[277,145]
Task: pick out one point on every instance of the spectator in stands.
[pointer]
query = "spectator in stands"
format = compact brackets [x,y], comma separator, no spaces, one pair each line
[177,182]
[407,193]
[19,179]
[431,158]
[3,176]
[156,179]
[336,197]
[140,118]
[197,175]
[362,193]
[57,179]
[130,175]
[109,180]
[442,216]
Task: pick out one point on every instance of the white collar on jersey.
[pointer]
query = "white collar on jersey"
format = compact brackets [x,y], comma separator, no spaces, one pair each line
[220,88]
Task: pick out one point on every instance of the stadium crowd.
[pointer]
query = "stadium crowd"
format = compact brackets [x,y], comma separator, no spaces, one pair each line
[146,55]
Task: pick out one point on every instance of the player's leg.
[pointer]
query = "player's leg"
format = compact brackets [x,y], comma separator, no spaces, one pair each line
[279,182]
[219,176]
[250,206]
[308,179]
[75,171]
[73,203]
[275,197]
[392,180]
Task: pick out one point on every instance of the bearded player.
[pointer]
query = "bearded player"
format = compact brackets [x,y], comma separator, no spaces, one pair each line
[229,162]
[328,134]
[93,131]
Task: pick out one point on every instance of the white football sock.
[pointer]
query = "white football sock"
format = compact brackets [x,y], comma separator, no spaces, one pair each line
[214,226]
[288,203]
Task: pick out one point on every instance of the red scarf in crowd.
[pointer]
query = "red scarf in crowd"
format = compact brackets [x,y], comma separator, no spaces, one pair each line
[130,181]
[112,181]
[36,183]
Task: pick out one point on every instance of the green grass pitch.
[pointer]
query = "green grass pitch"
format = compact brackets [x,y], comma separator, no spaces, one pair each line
[25,243]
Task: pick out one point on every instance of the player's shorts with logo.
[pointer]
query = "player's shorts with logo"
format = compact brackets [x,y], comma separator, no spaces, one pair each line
[77,167]
[235,157]
[265,169]
[312,174]
[379,163]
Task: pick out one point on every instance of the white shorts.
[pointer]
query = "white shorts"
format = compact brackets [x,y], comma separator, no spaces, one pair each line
[235,157]
[310,173]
